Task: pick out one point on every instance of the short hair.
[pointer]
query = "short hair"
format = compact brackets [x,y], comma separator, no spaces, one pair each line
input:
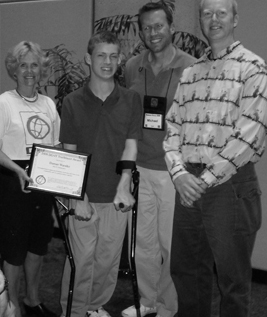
[103,36]
[234,5]
[16,53]
[154,6]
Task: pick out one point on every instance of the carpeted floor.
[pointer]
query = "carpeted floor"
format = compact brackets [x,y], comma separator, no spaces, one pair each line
[123,296]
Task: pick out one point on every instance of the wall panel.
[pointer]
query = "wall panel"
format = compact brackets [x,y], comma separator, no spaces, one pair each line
[48,23]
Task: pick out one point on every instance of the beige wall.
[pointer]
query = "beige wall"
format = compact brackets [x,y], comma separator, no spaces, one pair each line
[69,22]
[185,15]
[252,26]
[251,29]
[252,32]
[47,22]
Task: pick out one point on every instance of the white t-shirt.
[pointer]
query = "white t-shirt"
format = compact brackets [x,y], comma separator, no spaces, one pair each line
[23,123]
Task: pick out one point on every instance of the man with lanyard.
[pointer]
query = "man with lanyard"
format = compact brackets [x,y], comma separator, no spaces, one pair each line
[216,133]
[154,74]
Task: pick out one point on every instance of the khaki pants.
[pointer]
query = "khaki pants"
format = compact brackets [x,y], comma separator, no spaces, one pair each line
[96,247]
[153,241]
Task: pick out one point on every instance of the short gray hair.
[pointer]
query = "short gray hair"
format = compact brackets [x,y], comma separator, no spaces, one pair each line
[234,5]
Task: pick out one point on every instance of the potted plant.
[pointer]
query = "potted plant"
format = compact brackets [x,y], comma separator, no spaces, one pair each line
[68,75]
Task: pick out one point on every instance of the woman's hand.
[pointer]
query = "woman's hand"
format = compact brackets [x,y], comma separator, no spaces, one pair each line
[7,308]
[6,162]
[23,178]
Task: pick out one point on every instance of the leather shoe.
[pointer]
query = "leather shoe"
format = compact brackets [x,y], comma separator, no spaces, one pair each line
[39,311]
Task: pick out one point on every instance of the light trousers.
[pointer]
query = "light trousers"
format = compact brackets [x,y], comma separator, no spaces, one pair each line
[153,241]
[96,247]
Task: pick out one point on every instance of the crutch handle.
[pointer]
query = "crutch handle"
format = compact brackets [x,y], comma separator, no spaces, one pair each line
[68,212]
[71,212]
[121,205]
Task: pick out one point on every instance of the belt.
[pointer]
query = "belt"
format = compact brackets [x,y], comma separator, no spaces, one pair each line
[196,165]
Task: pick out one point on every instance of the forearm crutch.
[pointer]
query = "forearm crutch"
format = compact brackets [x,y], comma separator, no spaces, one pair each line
[61,217]
[135,178]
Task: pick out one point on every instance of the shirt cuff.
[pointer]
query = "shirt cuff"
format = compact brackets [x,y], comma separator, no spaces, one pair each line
[208,177]
[179,174]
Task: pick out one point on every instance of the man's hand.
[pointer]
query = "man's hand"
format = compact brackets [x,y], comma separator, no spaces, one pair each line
[190,188]
[123,200]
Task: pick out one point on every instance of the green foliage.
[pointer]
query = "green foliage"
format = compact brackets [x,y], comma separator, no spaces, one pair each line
[189,43]
[127,30]
[65,75]
[68,76]
[120,24]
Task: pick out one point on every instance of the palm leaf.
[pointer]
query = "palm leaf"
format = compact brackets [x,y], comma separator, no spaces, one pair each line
[170,4]
[119,24]
[189,43]
[127,30]
[68,76]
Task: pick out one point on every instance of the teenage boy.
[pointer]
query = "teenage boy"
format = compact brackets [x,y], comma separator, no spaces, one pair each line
[102,119]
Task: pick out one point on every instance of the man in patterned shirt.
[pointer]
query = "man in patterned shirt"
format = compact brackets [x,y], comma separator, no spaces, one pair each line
[216,133]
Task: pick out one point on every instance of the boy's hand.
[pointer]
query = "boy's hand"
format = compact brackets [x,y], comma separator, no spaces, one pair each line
[82,209]
[123,200]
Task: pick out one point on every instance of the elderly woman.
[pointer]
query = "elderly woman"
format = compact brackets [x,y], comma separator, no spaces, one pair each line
[26,224]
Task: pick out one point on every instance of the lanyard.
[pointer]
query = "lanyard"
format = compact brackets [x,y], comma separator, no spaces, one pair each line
[167,86]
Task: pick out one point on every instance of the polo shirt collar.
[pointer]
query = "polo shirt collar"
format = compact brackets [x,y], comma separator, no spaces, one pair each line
[174,63]
[112,98]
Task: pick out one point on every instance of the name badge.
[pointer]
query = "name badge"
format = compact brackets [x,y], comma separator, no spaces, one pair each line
[154,112]
[153,121]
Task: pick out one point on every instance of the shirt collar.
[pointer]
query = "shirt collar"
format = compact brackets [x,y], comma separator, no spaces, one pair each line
[113,97]
[223,53]
[174,63]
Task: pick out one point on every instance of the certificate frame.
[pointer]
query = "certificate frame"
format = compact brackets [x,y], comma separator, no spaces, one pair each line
[58,171]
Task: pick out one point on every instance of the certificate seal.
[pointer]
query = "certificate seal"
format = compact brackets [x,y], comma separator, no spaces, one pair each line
[40,179]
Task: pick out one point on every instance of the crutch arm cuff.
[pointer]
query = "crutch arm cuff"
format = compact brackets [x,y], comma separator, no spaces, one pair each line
[123,165]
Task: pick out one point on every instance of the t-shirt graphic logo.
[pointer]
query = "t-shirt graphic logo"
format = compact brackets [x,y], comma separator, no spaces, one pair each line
[37,127]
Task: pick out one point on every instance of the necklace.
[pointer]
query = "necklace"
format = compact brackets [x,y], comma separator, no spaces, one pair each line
[35,97]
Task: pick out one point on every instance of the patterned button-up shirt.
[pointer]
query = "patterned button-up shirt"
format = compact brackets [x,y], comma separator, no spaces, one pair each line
[219,115]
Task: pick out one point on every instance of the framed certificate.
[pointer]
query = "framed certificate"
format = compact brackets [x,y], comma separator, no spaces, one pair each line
[57,171]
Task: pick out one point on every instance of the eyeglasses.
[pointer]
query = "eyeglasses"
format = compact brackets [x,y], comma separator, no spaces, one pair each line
[207,15]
